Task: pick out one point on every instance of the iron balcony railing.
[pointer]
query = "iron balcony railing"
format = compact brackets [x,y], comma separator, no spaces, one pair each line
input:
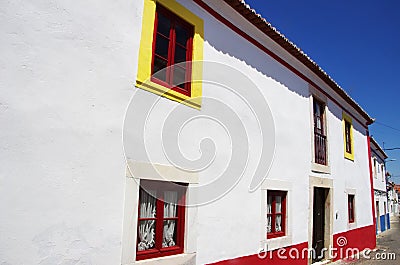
[320,148]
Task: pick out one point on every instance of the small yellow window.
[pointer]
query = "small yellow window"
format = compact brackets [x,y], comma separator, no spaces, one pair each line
[348,137]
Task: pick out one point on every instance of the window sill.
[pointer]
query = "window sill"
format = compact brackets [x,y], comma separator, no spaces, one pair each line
[194,102]
[187,259]
[349,156]
[278,242]
[320,168]
[352,225]
[275,235]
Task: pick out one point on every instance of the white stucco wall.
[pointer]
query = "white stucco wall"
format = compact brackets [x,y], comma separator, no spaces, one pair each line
[69,72]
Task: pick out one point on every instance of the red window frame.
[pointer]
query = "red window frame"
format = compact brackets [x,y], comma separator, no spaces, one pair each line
[274,213]
[347,132]
[175,20]
[160,187]
[350,207]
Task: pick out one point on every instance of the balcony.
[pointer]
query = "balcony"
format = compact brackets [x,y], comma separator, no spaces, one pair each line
[320,148]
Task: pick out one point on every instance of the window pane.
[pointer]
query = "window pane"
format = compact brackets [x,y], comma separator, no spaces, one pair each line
[179,77]
[147,199]
[170,203]
[146,235]
[159,70]
[351,201]
[162,46]
[348,136]
[318,116]
[182,35]
[169,237]
[317,108]
[269,204]
[164,25]
[180,55]
[278,200]
[269,224]
[318,123]
[278,223]
[351,207]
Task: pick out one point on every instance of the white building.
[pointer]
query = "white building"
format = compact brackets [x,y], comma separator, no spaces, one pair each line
[268,151]
[381,195]
[393,198]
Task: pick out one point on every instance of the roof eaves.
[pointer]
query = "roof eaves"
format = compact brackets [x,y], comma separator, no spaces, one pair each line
[262,24]
[378,147]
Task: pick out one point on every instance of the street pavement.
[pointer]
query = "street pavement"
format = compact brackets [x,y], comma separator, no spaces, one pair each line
[387,248]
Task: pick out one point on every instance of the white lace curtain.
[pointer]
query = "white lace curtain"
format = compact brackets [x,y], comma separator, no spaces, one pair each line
[278,220]
[278,216]
[170,206]
[147,227]
[269,218]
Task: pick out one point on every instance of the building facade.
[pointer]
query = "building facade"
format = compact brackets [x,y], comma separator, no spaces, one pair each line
[393,198]
[175,132]
[381,196]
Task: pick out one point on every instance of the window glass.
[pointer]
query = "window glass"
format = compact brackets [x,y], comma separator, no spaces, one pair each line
[173,45]
[348,136]
[276,210]
[182,35]
[170,204]
[163,25]
[147,227]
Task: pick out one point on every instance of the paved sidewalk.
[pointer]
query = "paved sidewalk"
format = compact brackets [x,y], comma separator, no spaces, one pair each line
[387,248]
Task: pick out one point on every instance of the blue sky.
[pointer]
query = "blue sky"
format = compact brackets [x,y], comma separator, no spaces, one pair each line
[358,44]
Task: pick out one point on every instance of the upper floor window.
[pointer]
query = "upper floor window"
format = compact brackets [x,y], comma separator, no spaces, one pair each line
[172,51]
[350,205]
[348,137]
[161,219]
[375,173]
[383,172]
[319,132]
[170,62]
[347,129]
[276,213]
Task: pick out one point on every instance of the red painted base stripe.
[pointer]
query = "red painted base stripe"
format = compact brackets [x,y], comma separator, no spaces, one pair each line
[360,239]
[344,243]
[271,258]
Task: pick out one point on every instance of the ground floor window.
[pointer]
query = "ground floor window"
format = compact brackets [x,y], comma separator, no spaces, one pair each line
[350,205]
[276,213]
[161,219]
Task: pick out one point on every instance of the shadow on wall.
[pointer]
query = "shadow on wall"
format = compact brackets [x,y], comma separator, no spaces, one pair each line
[229,43]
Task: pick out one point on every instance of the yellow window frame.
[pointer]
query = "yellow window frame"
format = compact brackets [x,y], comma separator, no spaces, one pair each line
[347,118]
[146,52]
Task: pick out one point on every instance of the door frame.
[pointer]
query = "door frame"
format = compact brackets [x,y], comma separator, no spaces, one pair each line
[317,182]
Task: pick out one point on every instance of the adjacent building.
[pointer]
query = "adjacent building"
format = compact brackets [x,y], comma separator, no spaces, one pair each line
[176,132]
[393,198]
[381,196]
